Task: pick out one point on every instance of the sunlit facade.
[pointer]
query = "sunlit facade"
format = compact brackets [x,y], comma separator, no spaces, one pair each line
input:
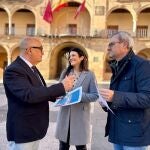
[89,31]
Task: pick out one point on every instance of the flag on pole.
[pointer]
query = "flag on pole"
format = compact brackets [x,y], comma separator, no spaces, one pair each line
[48,14]
[61,4]
[80,8]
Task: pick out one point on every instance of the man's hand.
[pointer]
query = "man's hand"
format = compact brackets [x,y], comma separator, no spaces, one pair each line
[68,82]
[107,94]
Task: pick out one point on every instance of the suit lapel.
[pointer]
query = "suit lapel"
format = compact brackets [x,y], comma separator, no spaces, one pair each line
[29,71]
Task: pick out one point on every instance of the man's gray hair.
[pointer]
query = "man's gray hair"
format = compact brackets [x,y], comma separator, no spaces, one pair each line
[25,42]
[125,37]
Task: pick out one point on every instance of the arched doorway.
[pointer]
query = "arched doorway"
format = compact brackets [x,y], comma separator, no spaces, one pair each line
[58,59]
[62,63]
[15,53]
[145,53]
[3,61]
[107,69]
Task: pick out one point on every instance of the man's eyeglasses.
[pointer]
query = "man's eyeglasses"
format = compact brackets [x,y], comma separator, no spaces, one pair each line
[112,44]
[36,47]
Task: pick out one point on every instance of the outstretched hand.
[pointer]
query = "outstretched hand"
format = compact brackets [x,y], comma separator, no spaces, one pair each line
[68,82]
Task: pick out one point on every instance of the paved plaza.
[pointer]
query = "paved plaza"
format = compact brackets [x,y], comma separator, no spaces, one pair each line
[98,141]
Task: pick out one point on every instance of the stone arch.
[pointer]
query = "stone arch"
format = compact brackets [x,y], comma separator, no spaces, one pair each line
[3,60]
[144,53]
[24,7]
[142,8]
[107,70]
[62,20]
[29,24]
[14,52]
[5,8]
[113,24]
[88,6]
[120,7]
[14,47]
[58,59]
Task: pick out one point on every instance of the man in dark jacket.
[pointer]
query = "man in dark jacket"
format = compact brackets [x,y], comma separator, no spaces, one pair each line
[129,96]
[28,96]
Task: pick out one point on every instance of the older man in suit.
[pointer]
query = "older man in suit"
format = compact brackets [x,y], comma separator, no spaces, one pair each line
[128,96]
[28,96]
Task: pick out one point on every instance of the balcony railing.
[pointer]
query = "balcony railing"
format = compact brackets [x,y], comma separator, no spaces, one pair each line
[65,31]
[19,31]
[110,32]
[140,33]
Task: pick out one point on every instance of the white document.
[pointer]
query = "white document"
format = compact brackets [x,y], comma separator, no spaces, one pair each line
[103,102]
[72,97]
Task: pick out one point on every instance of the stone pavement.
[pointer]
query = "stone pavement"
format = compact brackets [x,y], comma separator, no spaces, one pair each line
[98,141]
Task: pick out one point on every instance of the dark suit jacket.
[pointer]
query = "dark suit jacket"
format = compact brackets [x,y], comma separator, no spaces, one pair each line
[28,109]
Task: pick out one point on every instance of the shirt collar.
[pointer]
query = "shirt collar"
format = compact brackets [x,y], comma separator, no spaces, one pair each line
[26,61]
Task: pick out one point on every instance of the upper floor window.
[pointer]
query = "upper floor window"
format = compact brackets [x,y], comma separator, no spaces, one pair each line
[72,29]
[30,29]
[7,29]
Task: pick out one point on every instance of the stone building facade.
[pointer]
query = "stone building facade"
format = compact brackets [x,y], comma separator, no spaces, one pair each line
[89,31]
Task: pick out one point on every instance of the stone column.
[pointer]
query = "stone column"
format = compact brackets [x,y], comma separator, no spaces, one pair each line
[10,25]
[9,58]
[134,26]
[36,26]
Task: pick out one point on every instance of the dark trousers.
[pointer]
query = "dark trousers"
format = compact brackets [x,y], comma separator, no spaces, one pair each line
[66,146]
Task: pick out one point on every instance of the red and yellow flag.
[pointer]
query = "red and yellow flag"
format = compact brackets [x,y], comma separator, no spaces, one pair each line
[61,4]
